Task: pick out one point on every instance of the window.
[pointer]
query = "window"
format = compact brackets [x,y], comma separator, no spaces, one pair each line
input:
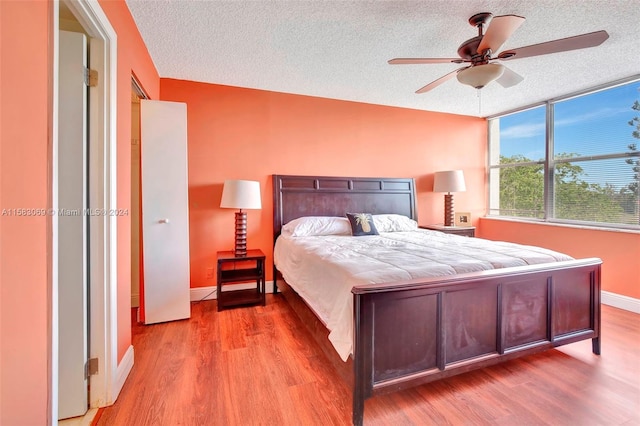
[571,160]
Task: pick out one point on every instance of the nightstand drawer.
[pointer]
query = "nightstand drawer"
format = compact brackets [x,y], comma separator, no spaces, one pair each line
[465,231]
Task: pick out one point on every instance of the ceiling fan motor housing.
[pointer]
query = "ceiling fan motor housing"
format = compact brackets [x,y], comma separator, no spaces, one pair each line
[469,49]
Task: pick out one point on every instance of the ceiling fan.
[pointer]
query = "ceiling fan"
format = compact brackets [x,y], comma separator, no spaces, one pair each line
[480,52]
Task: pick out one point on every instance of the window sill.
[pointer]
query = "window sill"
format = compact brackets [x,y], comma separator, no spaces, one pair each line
[561,225]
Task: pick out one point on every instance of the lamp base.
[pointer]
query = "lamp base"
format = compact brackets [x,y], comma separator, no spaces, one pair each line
[241,234]
[448,210]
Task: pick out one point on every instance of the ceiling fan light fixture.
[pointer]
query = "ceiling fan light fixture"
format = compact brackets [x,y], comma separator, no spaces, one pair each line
[480,75]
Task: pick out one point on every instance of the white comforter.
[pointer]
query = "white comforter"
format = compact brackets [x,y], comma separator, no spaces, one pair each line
[323,269]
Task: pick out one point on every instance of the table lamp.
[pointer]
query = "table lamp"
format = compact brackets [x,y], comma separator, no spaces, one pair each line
[449,181]
[241,194]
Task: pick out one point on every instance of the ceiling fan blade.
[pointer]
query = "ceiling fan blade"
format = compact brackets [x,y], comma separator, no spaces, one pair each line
[500,29]
[439,81]
[561,45]
[405,61]
[509,78]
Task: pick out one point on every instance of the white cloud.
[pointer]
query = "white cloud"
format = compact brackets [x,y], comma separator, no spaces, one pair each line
[528,130]
[523,130]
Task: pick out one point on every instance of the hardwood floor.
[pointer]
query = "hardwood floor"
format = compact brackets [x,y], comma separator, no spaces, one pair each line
[259,366]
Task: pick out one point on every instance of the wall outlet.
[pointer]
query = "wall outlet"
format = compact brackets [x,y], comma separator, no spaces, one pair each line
[210,273]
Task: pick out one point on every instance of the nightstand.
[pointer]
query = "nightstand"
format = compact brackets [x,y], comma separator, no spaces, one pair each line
[465,231]
[234,270]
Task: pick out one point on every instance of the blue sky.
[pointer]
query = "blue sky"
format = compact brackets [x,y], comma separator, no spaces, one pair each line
[588,125]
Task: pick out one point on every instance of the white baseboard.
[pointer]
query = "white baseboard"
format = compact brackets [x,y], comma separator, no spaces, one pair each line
[210,293]
[202,293]
[124,368]
[621,302]
[206,293]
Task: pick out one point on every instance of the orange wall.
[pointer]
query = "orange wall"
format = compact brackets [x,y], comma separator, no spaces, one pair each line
[237,133]
[619,251]
[133,58]
[24,309]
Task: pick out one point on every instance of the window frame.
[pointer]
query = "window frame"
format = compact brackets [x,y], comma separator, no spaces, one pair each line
[549,162]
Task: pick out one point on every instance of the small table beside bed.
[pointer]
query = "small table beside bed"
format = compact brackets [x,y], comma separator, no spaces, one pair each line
[404,306]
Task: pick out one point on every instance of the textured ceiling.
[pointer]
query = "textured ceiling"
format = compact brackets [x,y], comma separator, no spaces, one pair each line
[339,49]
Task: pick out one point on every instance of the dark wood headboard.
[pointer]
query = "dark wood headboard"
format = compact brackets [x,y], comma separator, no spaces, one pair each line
[297,196]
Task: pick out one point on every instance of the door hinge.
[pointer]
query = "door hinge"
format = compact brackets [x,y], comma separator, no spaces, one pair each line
[90,77]
[91,367]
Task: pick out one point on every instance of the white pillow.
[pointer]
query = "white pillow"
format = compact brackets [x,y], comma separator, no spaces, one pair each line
[394,223]
[317,225]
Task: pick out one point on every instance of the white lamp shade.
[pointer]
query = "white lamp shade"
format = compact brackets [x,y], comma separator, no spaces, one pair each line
[480,75]
[449,181]
[241,194]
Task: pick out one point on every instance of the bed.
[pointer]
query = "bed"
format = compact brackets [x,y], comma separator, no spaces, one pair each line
[408,331]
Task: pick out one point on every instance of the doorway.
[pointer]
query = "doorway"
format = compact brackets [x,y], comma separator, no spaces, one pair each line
[101,267]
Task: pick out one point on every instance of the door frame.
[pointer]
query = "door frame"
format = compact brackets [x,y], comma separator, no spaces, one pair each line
[103,328]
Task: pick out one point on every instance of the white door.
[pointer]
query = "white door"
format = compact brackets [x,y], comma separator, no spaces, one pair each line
[72,229]
[165,210]
[135,201]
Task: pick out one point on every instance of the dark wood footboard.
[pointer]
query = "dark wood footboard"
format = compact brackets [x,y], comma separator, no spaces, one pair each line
[424,330]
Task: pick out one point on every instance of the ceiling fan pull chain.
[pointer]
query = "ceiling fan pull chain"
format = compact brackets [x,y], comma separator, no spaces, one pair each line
[479,102]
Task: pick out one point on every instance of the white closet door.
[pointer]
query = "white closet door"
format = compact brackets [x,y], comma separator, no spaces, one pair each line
[165,210]
[71,170]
